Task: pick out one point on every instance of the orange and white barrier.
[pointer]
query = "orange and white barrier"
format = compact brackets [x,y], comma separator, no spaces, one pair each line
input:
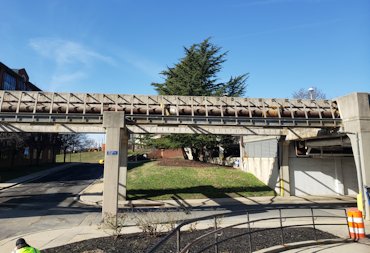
[356,224]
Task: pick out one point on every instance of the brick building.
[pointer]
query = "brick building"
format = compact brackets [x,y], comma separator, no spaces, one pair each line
[15,79]
[19,149]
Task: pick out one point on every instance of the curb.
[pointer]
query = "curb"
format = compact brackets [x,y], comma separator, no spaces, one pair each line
[201,202]
[88,203]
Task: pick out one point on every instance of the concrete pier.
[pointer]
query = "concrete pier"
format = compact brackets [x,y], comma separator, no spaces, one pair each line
[115,163]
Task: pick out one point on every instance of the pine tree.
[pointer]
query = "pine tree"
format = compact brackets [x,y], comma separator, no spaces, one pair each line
[196,75]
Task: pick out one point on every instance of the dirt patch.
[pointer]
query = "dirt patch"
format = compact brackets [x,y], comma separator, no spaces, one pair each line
[139,243]
[174,162]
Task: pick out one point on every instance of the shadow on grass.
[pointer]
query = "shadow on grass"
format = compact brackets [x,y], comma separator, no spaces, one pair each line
[208,191]
[132,164]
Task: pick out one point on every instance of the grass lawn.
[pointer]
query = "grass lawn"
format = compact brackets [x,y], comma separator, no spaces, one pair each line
[151,181]
[84,157]
[148,180]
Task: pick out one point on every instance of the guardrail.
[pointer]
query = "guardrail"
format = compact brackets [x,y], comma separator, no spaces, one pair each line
[217,230]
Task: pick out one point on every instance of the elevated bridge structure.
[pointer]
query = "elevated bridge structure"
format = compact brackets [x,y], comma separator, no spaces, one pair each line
[83,112]
[118,115]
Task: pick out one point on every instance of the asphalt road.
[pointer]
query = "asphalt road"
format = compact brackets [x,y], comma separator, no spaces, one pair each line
[49,202]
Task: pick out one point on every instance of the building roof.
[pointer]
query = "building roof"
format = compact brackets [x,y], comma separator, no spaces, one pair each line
[20,72]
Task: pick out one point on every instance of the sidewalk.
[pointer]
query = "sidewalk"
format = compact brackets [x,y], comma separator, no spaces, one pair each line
[92,195]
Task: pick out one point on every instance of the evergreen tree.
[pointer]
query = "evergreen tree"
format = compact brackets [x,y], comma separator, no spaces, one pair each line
[196,75]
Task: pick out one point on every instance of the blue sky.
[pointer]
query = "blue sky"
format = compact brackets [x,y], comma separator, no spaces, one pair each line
[118,46]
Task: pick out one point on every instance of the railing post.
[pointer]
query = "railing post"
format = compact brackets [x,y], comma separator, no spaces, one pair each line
[347,220]
[313,224]
[249,234]
[216,236]
[178,240]
[281,228]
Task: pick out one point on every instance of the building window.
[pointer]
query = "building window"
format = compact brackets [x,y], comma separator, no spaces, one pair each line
[9,82]
[21,85]
[26,153]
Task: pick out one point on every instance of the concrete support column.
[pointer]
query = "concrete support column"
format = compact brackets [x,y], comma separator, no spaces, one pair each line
[241,151]
[113,122]
[355,113]
[361,153]
[285,187]
[339,186]
[122,183]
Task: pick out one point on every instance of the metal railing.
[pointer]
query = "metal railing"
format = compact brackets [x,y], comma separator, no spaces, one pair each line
[217,230]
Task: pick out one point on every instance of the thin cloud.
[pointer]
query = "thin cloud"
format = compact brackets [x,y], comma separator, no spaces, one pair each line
[72,60]
[143,64]
[66,52]
[149,68]
[67,78]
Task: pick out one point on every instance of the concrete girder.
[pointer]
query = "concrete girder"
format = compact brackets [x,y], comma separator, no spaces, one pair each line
[50,128]
[292,133]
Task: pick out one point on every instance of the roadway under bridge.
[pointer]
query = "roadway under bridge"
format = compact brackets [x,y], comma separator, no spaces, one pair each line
[119,115]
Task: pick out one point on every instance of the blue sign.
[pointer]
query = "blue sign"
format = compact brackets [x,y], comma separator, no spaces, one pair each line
[112,152]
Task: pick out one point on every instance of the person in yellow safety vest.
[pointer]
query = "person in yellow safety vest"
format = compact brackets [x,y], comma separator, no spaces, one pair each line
[21,246]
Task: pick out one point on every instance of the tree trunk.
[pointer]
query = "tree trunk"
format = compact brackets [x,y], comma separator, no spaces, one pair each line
[64,155]
[203,154]
[195,153]
[185,155]
[13,152]
[38,153]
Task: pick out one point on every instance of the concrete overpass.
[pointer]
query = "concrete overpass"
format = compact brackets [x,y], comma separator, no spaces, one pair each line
[118,115]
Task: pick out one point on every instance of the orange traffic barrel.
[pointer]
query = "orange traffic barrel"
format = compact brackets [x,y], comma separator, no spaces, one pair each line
[355,223]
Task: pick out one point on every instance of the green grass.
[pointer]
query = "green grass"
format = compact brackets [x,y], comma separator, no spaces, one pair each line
[83,157]
[150,181]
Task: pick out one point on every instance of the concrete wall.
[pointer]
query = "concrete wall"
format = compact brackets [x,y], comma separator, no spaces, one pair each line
[261,159]
[323,176]
[308,176]
[265,169]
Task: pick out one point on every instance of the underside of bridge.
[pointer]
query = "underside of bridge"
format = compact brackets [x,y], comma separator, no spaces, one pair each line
[120,115]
